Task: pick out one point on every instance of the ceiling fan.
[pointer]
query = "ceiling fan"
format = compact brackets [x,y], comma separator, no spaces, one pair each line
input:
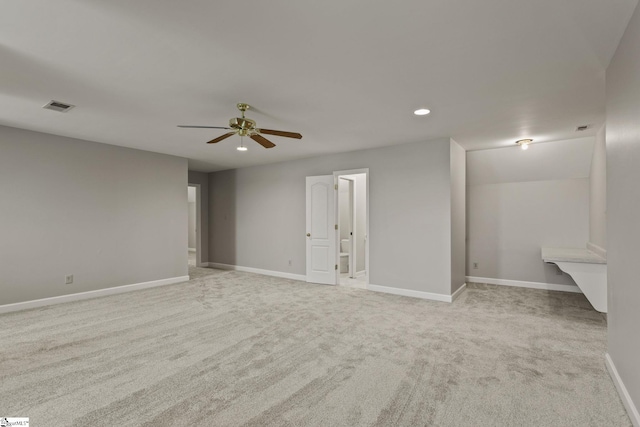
[246,127]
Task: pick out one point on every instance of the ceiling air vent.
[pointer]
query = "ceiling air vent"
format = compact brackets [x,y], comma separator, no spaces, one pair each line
[582,128]
[58,106]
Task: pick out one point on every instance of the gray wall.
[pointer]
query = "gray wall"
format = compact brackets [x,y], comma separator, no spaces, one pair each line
[108,215]
[258,214]
[458,215]
[203,180]
[623,202]
[598,193]
[519,201]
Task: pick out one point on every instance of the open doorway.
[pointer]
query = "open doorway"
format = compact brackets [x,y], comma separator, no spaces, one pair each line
[193,246]
[353,229]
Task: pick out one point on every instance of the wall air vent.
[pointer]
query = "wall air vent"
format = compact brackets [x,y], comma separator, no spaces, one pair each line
[58,106]
[582,128]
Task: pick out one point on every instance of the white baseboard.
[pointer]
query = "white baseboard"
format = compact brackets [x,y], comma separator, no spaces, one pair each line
[7,308]
[375,288]
[361,273]
[192,249]
[415,294]
[457,293]
[597,250]
[522,284]
[282,274]
[632,411]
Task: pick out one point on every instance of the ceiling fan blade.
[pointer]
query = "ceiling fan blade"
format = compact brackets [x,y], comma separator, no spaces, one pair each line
[220,138]
[262,141]
[203,127]
[280,133]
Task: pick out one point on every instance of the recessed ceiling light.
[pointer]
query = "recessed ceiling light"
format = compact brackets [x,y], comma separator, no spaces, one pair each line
[242,148]
[524,143]
[421,112]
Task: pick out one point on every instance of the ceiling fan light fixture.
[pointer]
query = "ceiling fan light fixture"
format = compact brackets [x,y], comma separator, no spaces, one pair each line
[421,112]
[524,143]
[241,147]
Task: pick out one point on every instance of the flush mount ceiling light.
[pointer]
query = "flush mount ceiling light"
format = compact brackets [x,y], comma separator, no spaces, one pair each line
[421,112]
[524,143]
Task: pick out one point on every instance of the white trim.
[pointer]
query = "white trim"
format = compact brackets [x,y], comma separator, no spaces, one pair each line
[198,248]
[457,293]
[410,293]
[361,273]
[597,250]
[7,308]
[353,255]
[632,411]
[192,249]
[352,221]
[375,288]
[522,284]
[282,274]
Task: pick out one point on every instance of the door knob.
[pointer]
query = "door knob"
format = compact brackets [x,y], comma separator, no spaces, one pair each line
[308,234]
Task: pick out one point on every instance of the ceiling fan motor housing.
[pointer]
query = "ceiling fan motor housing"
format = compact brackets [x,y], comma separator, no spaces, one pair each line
[242,123]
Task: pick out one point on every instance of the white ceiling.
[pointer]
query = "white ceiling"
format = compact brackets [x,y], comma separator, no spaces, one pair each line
[346,74]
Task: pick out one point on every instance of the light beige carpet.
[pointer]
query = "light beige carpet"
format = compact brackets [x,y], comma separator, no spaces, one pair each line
[235,348]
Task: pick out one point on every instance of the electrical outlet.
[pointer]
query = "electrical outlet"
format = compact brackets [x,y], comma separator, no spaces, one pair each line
[68,279]
[475,265]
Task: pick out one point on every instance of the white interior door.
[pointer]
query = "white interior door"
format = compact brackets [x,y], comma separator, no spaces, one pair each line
[321,230]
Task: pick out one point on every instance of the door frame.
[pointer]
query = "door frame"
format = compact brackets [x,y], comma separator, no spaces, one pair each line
[198,223]
[336,176]
[351,191]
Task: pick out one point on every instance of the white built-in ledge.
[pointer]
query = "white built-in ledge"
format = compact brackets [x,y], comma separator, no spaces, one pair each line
[588,270]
